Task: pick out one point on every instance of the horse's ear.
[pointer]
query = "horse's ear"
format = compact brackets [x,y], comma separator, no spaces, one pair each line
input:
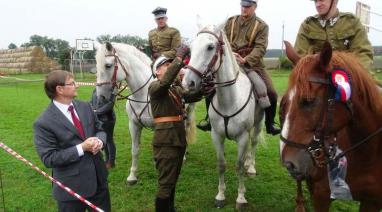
[97,45]
[109,47]
[325,56]
[199,22]
[291,53]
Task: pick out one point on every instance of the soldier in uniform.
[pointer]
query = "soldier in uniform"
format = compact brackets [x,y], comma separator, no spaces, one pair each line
[344,31]
[169,141]
[163,40]
[248,37]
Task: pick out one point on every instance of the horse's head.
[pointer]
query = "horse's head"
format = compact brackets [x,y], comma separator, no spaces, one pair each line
[110,70]
[312,116]
[206,53]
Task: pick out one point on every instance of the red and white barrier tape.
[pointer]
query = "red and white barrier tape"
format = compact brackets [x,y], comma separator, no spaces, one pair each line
[86,83]
[67,189]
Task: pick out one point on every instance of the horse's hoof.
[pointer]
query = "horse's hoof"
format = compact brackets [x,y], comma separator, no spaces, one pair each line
[219,203]
[131,182]
[241,206]
[252,174]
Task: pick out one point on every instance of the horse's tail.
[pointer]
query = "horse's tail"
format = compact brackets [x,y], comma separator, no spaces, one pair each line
[190,124]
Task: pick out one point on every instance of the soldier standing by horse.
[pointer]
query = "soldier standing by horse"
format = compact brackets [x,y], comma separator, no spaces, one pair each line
[169,142]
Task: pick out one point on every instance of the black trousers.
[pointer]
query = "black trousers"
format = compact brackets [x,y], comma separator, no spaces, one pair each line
[101,199]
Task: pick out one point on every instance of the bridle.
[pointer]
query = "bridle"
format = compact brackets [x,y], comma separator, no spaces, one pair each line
[209,72]
[321,153]
[219,52]
[120,89]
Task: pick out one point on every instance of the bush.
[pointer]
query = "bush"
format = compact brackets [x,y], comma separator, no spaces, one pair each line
[285,63]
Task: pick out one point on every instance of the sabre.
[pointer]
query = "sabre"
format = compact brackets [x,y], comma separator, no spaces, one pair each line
[67,189]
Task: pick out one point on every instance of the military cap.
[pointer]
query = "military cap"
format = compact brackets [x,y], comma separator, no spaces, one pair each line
[159,12]
[160,61]
[248,3]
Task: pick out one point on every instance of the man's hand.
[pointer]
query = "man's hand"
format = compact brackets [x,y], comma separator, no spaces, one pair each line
[208,85]
[182,51]
[239,59]
[92,144]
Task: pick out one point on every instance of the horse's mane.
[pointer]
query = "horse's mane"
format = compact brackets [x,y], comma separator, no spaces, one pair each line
[132,50]
[362,84]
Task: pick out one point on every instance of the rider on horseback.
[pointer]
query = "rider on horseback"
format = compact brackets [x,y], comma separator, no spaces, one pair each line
[248,37]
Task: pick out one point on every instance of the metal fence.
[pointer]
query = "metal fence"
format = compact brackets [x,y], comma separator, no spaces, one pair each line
[86,65]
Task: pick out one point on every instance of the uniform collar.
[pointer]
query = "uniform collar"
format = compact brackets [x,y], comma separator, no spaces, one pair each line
[330,21]
[242,21]
[161,29]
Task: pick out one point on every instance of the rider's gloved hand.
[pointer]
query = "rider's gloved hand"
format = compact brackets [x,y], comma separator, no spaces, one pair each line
[182,51]
[208,85]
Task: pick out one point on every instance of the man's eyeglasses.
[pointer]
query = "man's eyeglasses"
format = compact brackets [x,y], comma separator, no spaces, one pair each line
[71,84]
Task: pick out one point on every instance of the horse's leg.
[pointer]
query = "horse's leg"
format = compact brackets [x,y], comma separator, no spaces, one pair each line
[250,161]
[219,146]
[320,193]
[368,206]
[242,144]
[190,126]
[135,133]
[299,198]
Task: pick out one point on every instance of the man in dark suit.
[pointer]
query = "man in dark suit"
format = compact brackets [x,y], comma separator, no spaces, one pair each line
[68,138]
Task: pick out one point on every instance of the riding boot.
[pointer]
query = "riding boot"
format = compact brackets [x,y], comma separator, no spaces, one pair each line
[162,205]
[270,113]
[205,124]
[172,198]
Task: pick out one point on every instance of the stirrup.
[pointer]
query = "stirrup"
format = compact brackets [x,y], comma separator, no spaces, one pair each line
[204,125]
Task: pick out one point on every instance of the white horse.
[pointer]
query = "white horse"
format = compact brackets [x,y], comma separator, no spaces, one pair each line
[233,113]
[117,62]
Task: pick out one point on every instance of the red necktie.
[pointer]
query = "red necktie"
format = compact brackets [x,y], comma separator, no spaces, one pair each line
[76,121]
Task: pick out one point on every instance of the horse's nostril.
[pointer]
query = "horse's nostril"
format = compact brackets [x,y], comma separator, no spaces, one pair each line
[192,84]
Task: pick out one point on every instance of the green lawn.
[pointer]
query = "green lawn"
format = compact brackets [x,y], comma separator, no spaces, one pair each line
[26,190]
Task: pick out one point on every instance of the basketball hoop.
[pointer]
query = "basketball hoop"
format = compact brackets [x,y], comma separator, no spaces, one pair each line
[82,45]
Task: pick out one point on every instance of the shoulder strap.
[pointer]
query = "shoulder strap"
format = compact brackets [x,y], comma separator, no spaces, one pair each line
[232,26]
[253,34]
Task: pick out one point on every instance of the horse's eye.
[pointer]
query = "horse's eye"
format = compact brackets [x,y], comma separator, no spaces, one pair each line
[307,102]
[108,65]
[210,47]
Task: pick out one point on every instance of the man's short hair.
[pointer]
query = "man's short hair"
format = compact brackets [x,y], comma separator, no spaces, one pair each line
[54,79]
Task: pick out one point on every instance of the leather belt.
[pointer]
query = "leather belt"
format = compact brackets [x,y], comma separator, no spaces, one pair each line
[168,119]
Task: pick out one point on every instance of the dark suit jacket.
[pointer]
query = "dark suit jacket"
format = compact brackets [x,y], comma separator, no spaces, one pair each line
[55,138]
[163,104]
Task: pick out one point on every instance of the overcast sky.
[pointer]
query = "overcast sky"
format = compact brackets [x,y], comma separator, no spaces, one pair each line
[75,19]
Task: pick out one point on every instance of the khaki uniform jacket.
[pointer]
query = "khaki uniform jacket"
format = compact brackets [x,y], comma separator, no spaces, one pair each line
[164,41]
[163,104]
[347,34]
[241,35]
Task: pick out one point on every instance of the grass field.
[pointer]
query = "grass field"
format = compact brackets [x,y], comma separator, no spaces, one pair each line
[26,190]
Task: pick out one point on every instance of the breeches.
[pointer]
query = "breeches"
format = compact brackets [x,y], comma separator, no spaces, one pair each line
[168,162]
[271,92]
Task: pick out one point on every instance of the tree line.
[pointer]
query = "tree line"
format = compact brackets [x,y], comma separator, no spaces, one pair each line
[59,49]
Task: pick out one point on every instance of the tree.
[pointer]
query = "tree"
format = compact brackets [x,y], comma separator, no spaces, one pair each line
[136,41]
[53,48]
[12,46]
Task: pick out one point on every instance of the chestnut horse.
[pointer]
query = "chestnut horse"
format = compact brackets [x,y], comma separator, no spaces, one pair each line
[313,121]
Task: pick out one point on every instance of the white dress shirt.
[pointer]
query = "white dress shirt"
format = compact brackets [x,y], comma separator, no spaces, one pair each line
[64,109]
